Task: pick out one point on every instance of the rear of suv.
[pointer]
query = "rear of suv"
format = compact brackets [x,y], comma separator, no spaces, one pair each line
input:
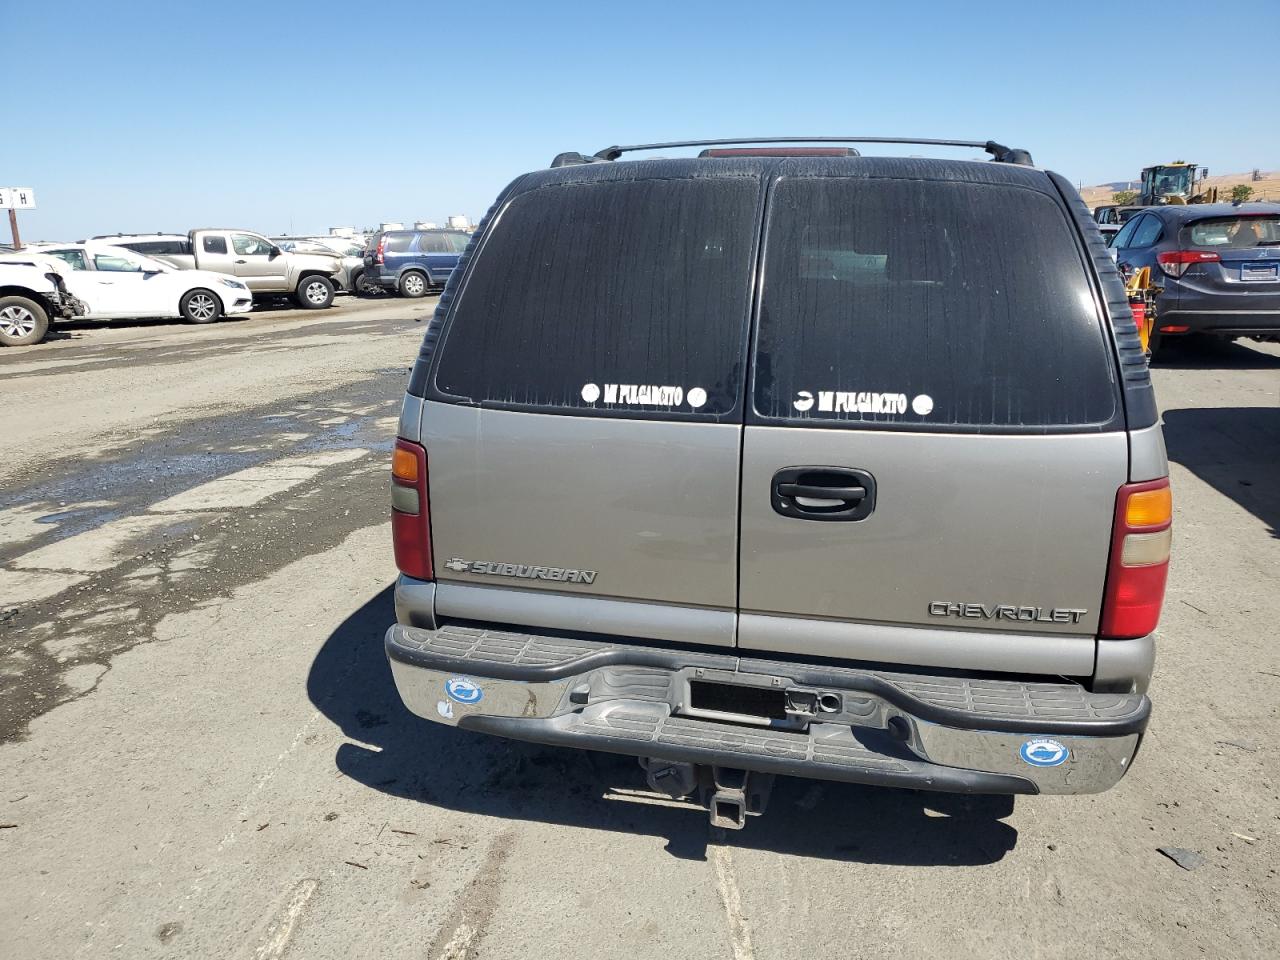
[839,467]
[413,263]
[1214,268]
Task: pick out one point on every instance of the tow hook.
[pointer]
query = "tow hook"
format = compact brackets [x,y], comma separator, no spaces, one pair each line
[730,795]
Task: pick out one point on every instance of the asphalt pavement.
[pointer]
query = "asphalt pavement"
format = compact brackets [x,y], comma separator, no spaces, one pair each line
[202,753]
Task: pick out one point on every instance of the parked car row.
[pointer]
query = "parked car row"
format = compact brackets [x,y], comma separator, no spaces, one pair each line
[268,270]
[104,282]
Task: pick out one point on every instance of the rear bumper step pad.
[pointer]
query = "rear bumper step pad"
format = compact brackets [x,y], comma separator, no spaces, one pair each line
[951,733]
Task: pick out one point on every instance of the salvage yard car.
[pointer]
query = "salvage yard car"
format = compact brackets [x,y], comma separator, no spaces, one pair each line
[1215,269]
[413,262]
[115,283]
[31,294]
[310,278]
[781,462]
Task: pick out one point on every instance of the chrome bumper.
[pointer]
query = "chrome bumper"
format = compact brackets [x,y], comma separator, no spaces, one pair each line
[867,726]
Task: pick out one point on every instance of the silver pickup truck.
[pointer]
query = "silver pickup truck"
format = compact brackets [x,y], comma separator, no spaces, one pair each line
[267,270]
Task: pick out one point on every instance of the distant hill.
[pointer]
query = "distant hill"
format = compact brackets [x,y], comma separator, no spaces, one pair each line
[1268,188]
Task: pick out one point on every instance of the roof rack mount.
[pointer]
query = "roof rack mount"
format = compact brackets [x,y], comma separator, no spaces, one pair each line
[999,152]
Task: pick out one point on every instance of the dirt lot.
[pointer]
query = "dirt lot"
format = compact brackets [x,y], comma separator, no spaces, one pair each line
[203,754]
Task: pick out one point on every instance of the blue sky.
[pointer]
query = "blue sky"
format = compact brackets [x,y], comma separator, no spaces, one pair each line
[300,116]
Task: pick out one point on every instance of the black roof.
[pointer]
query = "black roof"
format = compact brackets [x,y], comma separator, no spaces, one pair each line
[970,171]
[1183,213]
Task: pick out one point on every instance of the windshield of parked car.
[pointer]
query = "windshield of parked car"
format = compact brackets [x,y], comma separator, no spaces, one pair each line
[1240,232]
[120,260]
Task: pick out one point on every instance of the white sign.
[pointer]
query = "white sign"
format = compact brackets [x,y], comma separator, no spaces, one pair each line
[19,198]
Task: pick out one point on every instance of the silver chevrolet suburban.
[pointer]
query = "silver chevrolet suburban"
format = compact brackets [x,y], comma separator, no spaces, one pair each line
[786,460]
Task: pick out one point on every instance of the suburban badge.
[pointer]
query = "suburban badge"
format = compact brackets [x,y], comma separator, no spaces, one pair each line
[523,571]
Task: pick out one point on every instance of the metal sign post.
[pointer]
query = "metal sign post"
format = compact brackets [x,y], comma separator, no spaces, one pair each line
[15,199]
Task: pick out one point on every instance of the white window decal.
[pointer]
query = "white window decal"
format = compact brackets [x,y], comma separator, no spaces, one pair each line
[922,404]
[643,395]
[849,401]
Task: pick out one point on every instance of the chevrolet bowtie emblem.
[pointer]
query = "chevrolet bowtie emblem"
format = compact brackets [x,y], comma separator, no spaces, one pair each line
[457,566]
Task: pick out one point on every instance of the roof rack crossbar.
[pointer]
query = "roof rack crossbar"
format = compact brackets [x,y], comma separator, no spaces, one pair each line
[998,151]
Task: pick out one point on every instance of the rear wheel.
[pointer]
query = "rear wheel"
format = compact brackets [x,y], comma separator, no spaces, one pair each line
[315,293]
[22,322]
[413,284]
[1155,348]
[200,306]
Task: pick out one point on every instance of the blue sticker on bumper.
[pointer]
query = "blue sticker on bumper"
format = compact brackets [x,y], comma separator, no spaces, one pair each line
[462,690]
[1043,752]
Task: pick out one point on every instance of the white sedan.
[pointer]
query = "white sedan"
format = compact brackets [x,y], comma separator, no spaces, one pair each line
[115,283]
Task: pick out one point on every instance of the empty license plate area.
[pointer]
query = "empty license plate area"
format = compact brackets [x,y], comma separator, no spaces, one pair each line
[754,699]
[726,699]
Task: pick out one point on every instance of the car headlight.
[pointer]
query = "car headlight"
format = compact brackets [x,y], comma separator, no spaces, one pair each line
[233,284]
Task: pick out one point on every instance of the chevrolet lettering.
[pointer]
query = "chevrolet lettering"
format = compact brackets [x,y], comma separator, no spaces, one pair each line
[982,611]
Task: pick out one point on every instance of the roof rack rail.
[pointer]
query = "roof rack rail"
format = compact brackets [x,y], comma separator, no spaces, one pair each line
[999,152]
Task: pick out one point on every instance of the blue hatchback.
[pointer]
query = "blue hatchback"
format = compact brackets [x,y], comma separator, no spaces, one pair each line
[413,262]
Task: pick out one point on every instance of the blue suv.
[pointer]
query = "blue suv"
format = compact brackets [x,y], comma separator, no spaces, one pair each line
[413,262]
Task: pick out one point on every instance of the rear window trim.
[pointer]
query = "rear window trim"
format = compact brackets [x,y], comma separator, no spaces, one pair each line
[733,416]
[753,417]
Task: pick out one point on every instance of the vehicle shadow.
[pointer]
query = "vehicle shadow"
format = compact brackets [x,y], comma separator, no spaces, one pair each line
[70,329]
[1206,353]
[402,755]
[1236,450]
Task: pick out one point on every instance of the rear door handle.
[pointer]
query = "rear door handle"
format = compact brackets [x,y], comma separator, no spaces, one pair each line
[823,493]
[242,261]
[812,492]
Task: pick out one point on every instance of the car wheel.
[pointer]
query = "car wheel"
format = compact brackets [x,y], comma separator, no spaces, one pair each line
[315,293]
[22,322]
[366,287]
[413,284]
[200,306]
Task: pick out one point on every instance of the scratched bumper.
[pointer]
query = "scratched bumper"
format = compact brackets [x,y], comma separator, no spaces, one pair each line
[969,735]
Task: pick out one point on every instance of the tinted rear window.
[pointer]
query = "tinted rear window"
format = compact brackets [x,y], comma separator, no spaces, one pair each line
[152,247]
[922,304]
[1239,232]
[396,242]
[625,298]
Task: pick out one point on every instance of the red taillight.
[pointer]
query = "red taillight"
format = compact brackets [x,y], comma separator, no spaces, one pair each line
[377,254]
[1140,541]
[1175,262]
[411,511]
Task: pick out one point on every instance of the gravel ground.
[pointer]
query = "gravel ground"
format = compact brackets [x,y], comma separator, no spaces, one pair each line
[204,755]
